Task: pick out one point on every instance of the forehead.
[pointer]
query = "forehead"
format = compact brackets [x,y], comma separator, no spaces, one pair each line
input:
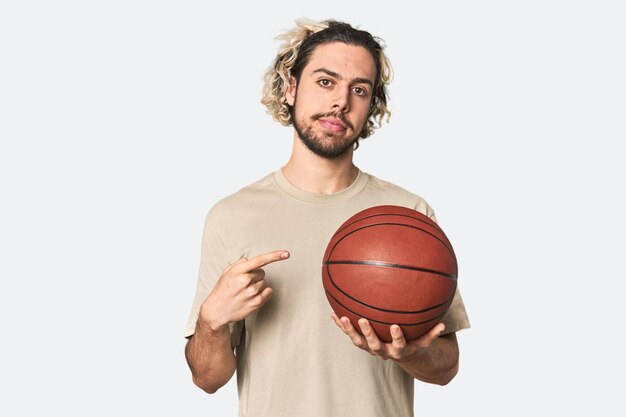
[348,60]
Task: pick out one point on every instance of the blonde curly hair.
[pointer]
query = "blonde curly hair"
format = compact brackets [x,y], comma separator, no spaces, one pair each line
[295,52]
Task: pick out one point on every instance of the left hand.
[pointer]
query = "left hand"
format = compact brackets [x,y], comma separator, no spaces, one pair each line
[399,349]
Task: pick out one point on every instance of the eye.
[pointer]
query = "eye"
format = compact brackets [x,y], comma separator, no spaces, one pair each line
[360,91]
[324,82]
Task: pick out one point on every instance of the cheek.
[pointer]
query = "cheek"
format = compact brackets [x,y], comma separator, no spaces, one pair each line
[300,112]
[364,115]
[362,106]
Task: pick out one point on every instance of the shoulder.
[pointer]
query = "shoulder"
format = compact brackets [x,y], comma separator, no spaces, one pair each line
[400,196]
[254,194]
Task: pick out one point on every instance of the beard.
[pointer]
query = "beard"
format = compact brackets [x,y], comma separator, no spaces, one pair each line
[323,144]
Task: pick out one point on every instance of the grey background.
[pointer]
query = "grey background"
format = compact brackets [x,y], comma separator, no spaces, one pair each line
[122,122]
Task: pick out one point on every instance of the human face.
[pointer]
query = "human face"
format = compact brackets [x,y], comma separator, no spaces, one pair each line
[332,99]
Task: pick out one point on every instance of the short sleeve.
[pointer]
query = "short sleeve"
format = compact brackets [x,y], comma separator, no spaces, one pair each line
[213,260]
[456,317]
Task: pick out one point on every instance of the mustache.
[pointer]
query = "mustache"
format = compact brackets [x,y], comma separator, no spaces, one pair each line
[335,115]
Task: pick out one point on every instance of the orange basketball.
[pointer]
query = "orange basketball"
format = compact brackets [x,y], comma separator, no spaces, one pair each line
[390,265]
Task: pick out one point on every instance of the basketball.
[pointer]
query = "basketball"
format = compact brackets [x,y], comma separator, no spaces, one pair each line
[390,265]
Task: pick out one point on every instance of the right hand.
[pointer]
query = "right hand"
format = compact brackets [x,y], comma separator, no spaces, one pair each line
[240,290]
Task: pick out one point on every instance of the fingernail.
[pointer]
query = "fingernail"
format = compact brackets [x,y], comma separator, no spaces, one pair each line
[284,255]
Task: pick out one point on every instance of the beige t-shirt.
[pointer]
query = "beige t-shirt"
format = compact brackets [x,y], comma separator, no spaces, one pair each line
[292,360]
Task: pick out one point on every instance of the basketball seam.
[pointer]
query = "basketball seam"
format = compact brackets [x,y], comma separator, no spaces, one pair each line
[388,224]
[384,322]
[383,214]
[435,225]
[390,265]
[330,277]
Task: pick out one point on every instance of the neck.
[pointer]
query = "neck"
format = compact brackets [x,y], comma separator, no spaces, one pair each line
[318,175]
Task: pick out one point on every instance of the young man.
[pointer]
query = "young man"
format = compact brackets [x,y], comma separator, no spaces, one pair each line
[260,288]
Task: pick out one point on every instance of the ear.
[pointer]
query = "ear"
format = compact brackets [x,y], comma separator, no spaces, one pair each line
[290,95]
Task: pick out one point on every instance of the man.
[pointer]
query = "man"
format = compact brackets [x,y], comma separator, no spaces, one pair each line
[259,287]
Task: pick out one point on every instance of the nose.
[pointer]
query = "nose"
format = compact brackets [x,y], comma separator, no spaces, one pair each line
[341,100]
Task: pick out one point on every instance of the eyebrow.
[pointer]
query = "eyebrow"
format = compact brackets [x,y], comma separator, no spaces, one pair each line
[339,77]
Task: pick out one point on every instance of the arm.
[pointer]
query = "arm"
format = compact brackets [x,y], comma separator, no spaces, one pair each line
[429,358]
[240,290]
[210,357]
[438,364]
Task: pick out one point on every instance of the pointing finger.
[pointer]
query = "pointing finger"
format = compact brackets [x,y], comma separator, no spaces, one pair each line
[267,258]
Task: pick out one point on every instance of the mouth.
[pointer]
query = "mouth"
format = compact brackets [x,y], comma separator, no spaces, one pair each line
[332,124]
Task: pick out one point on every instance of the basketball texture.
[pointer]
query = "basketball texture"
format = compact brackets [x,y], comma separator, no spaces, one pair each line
[390,265]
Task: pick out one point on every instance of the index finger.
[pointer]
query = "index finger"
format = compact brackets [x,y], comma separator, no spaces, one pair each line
[260,261]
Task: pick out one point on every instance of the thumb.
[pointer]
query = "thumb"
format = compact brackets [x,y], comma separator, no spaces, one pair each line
[240,260]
